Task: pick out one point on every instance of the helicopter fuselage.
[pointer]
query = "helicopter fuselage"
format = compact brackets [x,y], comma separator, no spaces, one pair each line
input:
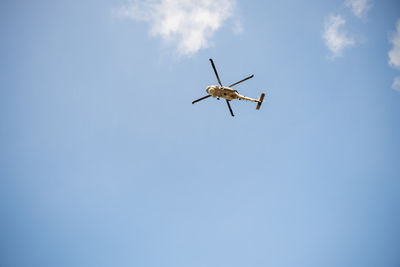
[226,93]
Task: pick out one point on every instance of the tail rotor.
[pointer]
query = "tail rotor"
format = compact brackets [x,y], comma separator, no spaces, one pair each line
[260,100]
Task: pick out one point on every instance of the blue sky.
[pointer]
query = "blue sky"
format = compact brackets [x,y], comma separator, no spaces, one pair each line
[105,162]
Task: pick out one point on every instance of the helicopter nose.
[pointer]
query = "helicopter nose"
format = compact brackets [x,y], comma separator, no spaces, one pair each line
[210,90]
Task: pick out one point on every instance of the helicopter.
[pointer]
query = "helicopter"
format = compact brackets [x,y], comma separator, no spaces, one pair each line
[227,92]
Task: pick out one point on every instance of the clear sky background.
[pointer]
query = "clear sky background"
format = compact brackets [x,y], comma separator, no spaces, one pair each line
[104,161]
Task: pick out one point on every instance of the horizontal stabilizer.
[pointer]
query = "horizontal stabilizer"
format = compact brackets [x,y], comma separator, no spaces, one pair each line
[260,100]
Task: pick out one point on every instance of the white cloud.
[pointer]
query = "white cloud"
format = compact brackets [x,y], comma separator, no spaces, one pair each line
[396,83]
[394,53]
[336,38]
[188,24]
[359,7]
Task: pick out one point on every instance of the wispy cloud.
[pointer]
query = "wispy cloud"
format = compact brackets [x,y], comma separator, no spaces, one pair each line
[188,24]
[396,83]
[359,7]
[394,55]
[335,37]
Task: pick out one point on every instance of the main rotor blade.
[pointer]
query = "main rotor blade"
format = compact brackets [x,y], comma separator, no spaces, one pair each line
[230,109]
[216,73]
[241,81]
[204,97]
